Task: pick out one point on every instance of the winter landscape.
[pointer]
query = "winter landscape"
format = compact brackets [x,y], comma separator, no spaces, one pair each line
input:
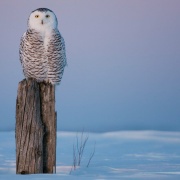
[121,86]
[118,155]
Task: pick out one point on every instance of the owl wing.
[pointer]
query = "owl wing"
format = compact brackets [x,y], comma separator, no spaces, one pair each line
[56,54]
[21,48]
[63,51]
[32,56]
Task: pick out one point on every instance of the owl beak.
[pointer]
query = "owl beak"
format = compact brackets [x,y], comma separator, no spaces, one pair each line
[42,22]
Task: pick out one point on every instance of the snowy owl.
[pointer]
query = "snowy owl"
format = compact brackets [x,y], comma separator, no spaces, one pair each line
[42,48]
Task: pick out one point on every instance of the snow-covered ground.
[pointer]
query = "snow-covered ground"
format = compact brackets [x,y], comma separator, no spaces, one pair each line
[118,155]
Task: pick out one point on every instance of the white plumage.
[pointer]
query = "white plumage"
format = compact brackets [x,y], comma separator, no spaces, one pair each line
[42,48]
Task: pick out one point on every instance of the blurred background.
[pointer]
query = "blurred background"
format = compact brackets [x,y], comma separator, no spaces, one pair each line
[123,63]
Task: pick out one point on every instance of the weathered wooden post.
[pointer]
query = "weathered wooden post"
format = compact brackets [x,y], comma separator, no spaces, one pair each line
[35,128]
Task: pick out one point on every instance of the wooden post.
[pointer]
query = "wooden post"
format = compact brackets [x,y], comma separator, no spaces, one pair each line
[49,120]
[35,128]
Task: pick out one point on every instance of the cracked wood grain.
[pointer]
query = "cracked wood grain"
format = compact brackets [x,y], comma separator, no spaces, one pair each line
[35,128]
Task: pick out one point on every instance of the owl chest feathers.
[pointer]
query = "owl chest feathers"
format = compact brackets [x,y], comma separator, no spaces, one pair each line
[36,54]
[39,40]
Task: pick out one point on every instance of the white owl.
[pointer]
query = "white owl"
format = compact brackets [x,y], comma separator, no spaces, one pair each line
[42,48]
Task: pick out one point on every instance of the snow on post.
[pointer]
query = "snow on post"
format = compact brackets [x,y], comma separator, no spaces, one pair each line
[35,128]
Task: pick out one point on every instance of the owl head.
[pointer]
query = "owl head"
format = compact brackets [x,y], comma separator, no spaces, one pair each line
[42,19]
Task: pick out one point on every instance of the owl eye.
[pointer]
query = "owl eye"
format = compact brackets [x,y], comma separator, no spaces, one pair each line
[36,16]
[47,16]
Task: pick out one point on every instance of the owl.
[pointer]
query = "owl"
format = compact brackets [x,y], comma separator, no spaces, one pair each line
[42,48]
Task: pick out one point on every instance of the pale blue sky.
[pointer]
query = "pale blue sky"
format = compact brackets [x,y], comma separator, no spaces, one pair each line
[123,63]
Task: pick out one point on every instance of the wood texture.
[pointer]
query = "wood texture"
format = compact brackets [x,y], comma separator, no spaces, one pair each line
[49,121]
[35,128]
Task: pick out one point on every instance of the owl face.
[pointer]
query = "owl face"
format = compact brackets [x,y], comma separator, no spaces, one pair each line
[42,19]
